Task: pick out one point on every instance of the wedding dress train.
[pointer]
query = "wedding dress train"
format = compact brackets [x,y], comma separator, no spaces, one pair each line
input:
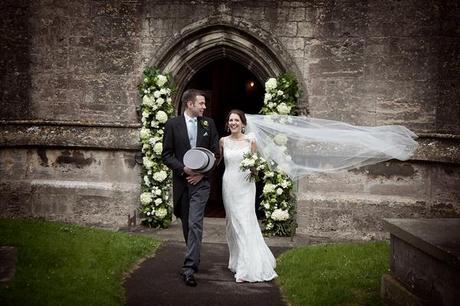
[250,258]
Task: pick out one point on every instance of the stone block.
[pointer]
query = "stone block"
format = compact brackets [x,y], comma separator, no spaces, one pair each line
[448,106]
[425,258]
[394,293]
[288,29]
[8,259]
[293,43]
[352,216]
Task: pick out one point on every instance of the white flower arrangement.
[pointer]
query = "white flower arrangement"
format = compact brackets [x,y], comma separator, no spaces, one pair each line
[156,108]
[278,199]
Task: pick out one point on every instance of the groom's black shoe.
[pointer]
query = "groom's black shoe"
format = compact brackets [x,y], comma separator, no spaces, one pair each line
[189,280]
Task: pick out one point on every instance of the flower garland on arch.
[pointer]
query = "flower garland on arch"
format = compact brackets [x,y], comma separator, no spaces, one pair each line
[278,197]
[156,107]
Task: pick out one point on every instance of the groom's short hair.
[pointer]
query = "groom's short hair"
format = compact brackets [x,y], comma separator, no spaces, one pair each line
[190,95]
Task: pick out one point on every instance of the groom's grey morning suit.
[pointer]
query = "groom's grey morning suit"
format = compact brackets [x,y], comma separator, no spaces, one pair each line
[189,200]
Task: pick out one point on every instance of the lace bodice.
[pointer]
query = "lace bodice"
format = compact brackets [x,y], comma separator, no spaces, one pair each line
[234,151]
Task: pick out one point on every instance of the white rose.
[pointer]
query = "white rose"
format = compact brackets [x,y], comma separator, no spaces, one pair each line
[267,97]
[154,124]
[146,180]
[268,188]
[283,109]
[280,93]
[144,133]
[158,148]
[285,184]
[160,101]
[146,198]
[157,94]
[280,215]
[161,213]
[161,116]
[169,100]
[147,100]
[147,162]
[158,191]
[163,91]
[160,176]
[158,201]
[161,80]
[279,191]
[269,174]
[270,84]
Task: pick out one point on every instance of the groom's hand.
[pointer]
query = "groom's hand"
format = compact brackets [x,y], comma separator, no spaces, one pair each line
[192,176]
[195,178]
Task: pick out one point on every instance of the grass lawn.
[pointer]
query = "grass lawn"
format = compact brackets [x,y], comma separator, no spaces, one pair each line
[336,274]
[62,264]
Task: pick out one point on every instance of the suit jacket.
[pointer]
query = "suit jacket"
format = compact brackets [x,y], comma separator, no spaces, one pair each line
[176,143]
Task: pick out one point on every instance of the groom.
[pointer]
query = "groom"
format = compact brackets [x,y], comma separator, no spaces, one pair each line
[190,188]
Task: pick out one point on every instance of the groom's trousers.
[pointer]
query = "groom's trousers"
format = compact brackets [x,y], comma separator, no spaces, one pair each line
[192,223]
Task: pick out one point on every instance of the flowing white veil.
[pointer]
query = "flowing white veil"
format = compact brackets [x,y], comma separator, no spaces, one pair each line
[301,145]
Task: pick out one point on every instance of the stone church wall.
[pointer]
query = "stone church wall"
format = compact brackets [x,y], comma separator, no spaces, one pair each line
[68,108]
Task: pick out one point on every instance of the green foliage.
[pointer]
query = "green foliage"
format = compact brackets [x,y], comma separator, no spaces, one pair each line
[63,264]
[336,274]
[281,95]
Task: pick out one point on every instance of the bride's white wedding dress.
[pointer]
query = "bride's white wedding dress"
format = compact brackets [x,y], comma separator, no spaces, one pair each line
[250,258]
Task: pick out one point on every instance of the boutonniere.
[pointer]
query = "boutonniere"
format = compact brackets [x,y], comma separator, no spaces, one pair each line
[204,124]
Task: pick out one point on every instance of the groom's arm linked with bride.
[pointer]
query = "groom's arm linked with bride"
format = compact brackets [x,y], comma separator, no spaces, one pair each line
[190,188]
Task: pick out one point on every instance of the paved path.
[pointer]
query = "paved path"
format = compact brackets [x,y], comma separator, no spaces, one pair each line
[157,281]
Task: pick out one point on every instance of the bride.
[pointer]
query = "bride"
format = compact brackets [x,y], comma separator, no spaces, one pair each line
[299,146]
[250,258]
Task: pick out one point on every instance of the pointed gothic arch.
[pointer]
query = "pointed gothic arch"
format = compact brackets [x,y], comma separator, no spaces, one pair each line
[205,41]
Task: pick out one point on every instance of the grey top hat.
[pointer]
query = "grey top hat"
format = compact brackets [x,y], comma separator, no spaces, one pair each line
[199,159]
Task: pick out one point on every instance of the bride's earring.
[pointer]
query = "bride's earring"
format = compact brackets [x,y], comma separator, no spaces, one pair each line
[228,129]
[243,130]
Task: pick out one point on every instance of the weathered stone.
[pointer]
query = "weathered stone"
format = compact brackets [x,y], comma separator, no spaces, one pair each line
[69,75]
[8,258]
[425,258]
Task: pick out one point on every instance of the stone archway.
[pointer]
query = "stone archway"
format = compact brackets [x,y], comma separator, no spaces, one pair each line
[223,36]
[185,54]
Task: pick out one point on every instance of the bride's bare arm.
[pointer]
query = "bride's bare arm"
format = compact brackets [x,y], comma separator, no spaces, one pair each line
[221,150]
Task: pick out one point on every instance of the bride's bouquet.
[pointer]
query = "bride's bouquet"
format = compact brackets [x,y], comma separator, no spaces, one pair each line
[255,164]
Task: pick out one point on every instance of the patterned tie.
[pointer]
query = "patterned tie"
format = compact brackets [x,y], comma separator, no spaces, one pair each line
[192,132]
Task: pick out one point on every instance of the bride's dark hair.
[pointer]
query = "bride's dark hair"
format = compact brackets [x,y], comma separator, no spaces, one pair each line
[240,114]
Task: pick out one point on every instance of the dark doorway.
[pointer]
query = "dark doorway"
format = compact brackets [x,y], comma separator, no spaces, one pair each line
[228,85]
